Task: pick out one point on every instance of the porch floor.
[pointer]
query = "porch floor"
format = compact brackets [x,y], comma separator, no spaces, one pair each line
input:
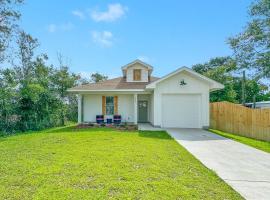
[148,127]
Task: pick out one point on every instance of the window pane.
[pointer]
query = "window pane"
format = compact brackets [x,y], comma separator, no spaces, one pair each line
[109,105]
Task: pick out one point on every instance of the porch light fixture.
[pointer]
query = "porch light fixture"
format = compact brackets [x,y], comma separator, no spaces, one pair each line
[183,82]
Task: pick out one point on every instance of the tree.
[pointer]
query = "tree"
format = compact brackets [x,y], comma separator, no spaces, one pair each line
[252,46]
[9,17]
[97,77]
[223,70]
[8,99]
[62,80]
[27,45]
[219,69]
[252,89]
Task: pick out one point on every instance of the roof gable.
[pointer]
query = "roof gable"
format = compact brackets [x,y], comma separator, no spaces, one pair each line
[137,61]
[214,85]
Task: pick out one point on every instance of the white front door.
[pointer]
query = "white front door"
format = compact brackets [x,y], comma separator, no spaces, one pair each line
[181,111]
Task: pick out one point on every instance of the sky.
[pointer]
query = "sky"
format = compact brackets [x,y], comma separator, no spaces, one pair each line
[101,36]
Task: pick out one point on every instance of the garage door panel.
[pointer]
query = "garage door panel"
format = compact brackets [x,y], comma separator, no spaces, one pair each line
[181,110]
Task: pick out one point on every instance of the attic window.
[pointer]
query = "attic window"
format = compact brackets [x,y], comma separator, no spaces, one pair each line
[137,74]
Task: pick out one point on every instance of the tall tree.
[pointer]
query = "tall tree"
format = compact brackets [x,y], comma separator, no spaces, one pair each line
[62,80]
[223,70]
[97,77]
[27,45]
[8,99]
[219,69]
[9,17]
[252,46]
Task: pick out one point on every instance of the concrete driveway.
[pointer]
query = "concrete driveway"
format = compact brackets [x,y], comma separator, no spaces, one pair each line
[244,168]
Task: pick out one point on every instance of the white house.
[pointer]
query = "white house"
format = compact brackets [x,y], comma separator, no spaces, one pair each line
[179,99]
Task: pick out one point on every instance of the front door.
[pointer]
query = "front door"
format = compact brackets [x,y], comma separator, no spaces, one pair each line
[143,111]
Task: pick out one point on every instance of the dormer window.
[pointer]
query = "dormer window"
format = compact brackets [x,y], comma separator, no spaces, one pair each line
[137,73]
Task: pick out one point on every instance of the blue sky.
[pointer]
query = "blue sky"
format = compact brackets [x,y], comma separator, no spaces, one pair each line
[102,36]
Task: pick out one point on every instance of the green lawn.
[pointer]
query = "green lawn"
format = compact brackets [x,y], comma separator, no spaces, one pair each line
[262,145]
[103,164]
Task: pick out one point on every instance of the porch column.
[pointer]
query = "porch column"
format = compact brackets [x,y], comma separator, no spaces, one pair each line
[79,108]
[135,108]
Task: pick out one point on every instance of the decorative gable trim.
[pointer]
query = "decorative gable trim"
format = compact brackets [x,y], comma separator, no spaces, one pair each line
[139,62]
[214,85]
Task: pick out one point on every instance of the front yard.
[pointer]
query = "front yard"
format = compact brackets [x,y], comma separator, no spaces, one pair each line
[258,144]
[103,164]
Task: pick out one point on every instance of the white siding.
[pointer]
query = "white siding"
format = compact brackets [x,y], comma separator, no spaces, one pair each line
[144,73]
[152,111]
[126,107]
[92,106]
[172,86]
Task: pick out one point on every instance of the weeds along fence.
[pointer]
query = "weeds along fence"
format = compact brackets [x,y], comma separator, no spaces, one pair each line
[240,120]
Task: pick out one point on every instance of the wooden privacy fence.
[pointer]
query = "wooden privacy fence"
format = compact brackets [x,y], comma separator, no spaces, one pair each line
[239,120]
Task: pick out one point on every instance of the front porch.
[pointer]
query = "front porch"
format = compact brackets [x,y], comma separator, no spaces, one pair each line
[148,127]
[133,108]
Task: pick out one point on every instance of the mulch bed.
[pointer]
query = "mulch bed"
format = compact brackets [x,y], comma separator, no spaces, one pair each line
[124,127]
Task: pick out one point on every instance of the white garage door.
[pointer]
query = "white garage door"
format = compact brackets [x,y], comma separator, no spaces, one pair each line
[181,110]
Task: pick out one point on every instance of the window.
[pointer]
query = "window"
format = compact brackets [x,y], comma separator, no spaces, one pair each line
[137,74]
[109,105]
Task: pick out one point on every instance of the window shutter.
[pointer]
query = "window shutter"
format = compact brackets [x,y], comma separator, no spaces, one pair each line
[103,105]
[137,74]
[115,105]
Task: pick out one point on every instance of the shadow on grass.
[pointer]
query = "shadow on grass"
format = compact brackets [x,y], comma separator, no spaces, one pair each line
[85,129]
[155,134]
[67,128]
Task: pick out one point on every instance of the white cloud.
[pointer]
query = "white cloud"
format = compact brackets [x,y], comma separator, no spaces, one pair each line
[103,38]
[114,12]
[78,14]
[52,28]
[144,58]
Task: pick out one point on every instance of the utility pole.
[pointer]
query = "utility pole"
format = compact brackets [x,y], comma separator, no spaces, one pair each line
[244,88]
[254,101]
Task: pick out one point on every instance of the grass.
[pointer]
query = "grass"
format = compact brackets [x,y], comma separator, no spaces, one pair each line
[258,144]
[103,163]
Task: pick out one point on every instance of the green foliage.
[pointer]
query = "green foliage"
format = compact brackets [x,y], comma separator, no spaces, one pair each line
[97,77]
[33,95]
[258,144]
[104,164]
[224,70]
[252,46]
[9,16]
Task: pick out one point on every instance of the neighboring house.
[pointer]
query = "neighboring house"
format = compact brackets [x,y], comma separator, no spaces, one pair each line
[260,104]
[179,99]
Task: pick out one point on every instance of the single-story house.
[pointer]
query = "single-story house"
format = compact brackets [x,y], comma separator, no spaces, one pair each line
[179,99]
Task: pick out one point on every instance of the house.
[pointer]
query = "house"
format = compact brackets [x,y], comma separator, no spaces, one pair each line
[179,99]
[260,104]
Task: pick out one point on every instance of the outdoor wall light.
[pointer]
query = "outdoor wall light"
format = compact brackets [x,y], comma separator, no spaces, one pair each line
[183,82]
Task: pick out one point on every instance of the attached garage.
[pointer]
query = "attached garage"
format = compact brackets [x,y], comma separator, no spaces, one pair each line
[181,99]
[181,110]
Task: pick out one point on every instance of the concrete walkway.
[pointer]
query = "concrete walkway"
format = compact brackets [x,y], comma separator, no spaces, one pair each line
[244,168]
[148,127]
